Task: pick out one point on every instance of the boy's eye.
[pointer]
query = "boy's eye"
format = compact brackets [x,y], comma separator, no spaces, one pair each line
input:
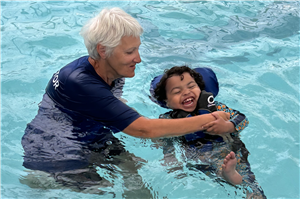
[176,92]
[193,86]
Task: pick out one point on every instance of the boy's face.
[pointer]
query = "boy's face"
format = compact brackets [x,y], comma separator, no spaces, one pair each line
[182,93]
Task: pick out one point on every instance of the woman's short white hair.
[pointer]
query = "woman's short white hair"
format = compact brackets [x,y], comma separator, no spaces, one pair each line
[108,28]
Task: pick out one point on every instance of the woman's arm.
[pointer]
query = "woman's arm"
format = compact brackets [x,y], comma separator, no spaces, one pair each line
[152,128]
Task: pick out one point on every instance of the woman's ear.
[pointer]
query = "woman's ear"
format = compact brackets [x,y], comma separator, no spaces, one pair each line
[101,51]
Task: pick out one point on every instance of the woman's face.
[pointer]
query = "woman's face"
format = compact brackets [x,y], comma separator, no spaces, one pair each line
[182,93]
[125,56]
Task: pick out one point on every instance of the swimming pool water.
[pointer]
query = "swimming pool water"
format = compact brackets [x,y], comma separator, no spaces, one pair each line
[253,46]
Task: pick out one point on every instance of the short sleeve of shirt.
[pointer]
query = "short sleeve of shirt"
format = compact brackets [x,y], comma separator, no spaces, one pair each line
[77,87]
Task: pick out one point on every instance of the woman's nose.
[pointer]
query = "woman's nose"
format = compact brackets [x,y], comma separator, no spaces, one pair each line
[137,59]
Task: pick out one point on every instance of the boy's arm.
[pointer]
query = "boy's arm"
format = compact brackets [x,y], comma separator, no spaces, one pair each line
[236,123]
[238,119]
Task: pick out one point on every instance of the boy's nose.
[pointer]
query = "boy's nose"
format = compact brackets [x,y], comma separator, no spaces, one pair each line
[186,92]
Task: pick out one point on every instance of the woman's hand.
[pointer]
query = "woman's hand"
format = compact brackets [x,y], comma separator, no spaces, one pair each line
[220,125]
[222,114]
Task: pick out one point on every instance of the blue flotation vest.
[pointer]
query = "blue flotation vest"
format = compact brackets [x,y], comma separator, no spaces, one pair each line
[205,105]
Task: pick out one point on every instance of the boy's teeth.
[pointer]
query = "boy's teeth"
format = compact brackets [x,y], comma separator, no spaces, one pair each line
[188,100]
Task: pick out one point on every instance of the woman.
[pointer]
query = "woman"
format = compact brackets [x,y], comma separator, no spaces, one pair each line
[82,108]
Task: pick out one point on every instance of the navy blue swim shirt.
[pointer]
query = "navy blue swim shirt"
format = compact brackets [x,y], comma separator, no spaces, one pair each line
[79,88]
[78,114]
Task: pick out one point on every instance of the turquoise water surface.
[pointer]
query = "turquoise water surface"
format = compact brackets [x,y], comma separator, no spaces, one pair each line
[253,46]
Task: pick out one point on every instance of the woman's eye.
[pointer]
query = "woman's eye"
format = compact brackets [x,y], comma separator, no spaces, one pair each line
[129,53]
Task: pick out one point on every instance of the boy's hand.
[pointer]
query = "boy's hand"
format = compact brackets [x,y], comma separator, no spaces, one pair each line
[220,125]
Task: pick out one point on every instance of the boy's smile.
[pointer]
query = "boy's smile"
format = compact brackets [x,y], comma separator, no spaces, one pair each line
[182,92]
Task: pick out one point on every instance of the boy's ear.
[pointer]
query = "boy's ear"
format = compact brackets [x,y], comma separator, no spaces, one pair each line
[167,103]
[101,51]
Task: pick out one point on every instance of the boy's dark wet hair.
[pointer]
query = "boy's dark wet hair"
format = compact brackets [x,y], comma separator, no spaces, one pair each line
[160,90]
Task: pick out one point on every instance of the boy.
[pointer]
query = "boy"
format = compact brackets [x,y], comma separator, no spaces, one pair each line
[182,89]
